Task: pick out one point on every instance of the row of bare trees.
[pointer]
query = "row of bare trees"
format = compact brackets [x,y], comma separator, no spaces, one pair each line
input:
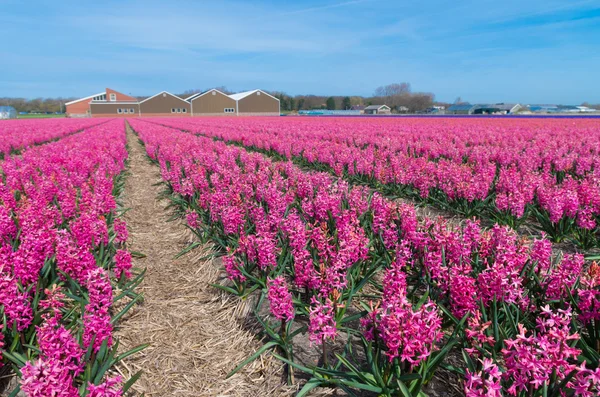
[38,105]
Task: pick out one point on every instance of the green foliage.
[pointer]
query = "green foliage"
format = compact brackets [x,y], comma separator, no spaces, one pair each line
[330,103]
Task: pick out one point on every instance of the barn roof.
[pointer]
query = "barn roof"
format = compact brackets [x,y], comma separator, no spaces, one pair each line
[193,97]
[87,97]
[242,95]
[466,106]
[499,106]
[376,107]
[162,92]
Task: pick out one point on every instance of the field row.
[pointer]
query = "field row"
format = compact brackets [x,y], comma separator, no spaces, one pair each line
[385,297]
[512,172]
[62,257]
[18,134]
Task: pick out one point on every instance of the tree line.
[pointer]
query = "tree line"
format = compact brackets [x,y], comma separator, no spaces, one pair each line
[37,105]
[398,96]
[394,95]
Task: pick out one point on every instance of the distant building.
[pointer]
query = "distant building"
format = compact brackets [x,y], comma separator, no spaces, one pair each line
[212,103]
[436,110]
[461,108]
[574,109]
[378,109]
[256,103]
[585,109]
[82,107]
[402,109]
[560,109]
[496,108]
[8,112]
[543,108]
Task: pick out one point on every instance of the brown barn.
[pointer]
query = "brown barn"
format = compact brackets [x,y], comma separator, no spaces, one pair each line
[256,103]
[115,109]
[82,107]
[212,103]
[165,104]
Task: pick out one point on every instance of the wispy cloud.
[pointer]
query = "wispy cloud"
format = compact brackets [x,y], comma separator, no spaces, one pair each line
[324,7]
[509,49]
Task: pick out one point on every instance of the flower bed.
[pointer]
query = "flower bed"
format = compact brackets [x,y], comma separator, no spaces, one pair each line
[509,171]
[64,264]
[325,255]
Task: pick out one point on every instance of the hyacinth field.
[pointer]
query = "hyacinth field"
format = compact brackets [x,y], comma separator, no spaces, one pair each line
[317,226]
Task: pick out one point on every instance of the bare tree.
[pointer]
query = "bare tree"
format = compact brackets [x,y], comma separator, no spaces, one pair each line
[390,90]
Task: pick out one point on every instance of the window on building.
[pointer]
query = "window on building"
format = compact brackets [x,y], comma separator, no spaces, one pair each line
[229,110]
[113,97]
[178,110]
[184,110]
[131,110]
[214,92]
[257,92]
[173,110]
[119,110]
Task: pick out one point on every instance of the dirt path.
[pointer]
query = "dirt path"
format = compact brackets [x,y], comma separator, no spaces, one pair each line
[195,332]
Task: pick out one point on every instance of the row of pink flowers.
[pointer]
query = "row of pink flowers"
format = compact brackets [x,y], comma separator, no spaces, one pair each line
[18,134]
[513,161]
[267,205]
[55,204]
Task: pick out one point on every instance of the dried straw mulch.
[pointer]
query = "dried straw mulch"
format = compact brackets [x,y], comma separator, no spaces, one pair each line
[196,334]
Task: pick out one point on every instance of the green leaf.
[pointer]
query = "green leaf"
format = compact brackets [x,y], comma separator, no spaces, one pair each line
[131,381]
[137,254]
[357,385]
[403,388]
[16,391]
[15,358]
[187,249]
[295,365]
[125,309]
[225,288]
[352,368]
[123,356]
[253,357]
[308,386]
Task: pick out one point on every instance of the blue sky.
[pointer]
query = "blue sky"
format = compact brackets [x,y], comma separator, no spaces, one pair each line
[535,51]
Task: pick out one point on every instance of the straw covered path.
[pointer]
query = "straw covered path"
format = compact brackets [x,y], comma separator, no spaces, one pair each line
[196,334]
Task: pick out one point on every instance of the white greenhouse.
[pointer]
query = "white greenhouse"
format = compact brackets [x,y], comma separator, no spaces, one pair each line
[8,112]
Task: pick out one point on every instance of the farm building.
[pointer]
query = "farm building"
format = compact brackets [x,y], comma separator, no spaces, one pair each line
[82,107]
[8,112]
[378,109]
[212,103]
[115,109]
[165,104]
[360,108]
[497,108]
[462,108]
[256,103]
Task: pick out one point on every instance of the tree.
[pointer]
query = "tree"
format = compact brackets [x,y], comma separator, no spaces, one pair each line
[292,103]
[395,89]
[301,103]
[346,104]
[330,103]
